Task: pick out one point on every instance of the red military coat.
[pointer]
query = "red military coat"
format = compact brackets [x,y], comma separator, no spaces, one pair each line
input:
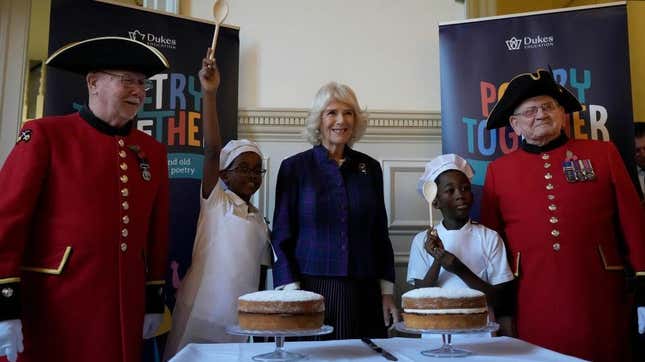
[82,233]
[564,246]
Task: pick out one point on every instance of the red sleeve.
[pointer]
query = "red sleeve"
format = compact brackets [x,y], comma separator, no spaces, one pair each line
[630,214]
[490,214]
[22,176]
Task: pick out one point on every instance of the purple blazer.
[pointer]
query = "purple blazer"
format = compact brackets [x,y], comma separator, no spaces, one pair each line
[330,220]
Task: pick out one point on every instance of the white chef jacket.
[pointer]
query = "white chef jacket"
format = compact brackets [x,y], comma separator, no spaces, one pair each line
[478,247]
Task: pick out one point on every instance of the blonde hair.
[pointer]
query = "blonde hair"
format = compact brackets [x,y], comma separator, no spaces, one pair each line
[329,92]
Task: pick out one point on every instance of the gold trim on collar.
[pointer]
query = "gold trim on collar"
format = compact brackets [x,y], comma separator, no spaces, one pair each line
[640,274]
[57,271]
[156,282]
[10,280]
[517,265]
[604,261]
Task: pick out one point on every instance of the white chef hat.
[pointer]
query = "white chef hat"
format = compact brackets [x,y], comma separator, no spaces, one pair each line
[443,163]
[235,148]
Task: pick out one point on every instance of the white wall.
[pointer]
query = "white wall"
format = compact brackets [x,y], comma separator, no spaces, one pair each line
[387,50]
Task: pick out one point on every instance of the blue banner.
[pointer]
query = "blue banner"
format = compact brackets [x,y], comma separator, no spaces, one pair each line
[588,52]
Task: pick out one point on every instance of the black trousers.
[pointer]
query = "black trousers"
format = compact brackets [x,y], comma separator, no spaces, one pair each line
[354,307]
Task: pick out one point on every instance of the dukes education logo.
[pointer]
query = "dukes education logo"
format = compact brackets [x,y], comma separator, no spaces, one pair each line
[530,42]
[513,43]
[157,41]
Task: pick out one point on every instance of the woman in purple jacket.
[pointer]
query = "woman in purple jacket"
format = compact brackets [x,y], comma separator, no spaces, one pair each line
[330,229]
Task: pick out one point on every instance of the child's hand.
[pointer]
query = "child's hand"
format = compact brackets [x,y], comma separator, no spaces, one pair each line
[209,75]
[448,261]
[432,241]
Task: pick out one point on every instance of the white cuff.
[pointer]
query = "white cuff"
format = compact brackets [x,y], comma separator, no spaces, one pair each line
[641,319]
[11,339]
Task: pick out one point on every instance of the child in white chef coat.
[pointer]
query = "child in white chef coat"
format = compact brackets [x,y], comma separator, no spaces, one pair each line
[459,252]
[232,238]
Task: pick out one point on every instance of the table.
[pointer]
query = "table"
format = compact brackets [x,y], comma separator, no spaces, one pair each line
[405,349]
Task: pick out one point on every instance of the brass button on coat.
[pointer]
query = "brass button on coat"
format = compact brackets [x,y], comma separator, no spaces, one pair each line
[124,178]
[125,205]
[124,247]
[552,207]
[124,166]
[122,154]
[551,197]
[555,232]
[548,176]
[545,156]
[556,246]
[547,165]
[124,233]
[553,220]
[125,219]
[125,192]
[549,187]
[121,143]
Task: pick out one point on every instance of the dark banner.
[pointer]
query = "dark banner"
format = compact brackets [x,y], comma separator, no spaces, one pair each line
[172,109]
[588,52]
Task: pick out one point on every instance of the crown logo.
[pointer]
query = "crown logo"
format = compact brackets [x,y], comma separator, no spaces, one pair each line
[137,35]
[513,43]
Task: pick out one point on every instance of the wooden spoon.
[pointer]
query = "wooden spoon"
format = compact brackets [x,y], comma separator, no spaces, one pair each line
[429,193]
[220,12]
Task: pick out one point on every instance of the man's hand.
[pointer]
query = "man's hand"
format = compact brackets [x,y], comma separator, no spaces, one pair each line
[11,339]
[390,313]
[209,75]
[151,323]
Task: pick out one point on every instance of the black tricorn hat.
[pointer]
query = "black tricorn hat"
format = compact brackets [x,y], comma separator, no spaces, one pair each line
[527,85]
[109,52]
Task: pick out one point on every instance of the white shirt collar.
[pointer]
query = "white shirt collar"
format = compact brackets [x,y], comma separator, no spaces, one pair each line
[466,228]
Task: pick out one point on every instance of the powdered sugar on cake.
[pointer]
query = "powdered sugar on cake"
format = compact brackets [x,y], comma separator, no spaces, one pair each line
[443,293]
[281,296]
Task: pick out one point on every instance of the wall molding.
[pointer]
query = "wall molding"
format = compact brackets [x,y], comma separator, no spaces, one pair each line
[287,124]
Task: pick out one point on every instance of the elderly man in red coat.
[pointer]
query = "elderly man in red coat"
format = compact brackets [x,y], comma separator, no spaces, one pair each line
[564,208]
[84,217]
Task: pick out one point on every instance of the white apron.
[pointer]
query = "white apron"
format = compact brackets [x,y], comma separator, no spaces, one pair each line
[230,244]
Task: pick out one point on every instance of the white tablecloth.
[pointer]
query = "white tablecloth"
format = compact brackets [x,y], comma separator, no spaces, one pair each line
[405,349]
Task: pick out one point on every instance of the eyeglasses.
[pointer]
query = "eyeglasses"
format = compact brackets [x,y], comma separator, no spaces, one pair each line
[247,171]
[130,82]
[532,111]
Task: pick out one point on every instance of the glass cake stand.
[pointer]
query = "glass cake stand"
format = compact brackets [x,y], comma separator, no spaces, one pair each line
[279,354]
[447,350]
